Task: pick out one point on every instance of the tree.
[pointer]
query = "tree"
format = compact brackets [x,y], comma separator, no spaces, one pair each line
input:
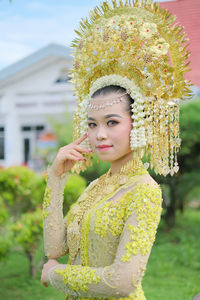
[5,238]
[73,189]
[27,232]
[21,221]
[21,191]
[62,128]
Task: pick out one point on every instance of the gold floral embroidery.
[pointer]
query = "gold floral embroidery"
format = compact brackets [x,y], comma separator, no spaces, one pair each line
[160,47]
[147,206]
[84,243]
[78,277]
[137,294]
[91,198]
[46,202]
[148,29]
[111,216]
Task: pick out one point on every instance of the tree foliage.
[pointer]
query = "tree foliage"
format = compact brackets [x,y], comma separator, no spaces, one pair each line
[27,232]
[62,127]
[21,222]
[20,189]
[73,189]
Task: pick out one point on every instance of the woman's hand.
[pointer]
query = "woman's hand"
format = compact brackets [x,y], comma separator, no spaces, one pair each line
[68,155]
[44,277]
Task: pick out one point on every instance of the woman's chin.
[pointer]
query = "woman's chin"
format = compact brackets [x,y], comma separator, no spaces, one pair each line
[103,156]
[106,158]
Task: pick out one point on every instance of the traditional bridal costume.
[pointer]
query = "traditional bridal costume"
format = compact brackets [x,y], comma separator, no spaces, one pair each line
[109,250]
[109,231]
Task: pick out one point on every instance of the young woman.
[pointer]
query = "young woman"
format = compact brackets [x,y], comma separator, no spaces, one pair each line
[128,72]
[118,213]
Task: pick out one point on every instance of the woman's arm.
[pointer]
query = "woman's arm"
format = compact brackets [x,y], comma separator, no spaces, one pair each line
[54,228]
[123,277]
[55,240]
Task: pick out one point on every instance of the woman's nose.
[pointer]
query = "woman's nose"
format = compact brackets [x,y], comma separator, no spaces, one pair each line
[101,133]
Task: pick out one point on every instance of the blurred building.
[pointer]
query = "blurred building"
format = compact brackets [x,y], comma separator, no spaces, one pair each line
[30,90]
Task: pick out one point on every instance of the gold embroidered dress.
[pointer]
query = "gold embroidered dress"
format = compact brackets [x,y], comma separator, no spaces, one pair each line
[108,233]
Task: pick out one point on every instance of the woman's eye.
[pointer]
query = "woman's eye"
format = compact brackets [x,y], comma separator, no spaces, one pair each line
[112,122]
[91,125]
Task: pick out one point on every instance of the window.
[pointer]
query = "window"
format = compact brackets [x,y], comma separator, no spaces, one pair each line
[63,77]
[33,128]
[2,146]
[26,128]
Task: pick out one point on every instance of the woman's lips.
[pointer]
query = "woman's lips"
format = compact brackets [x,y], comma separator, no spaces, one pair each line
[103,147]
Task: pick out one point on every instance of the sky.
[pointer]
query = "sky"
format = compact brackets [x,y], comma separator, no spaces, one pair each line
[28,25]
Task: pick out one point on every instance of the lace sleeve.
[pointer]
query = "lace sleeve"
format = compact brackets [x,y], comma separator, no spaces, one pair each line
[54,231]
[123,277]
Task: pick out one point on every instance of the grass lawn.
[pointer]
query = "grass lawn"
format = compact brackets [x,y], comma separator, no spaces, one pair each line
[173,270]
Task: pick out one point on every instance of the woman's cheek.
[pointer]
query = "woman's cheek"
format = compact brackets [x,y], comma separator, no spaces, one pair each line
[127,129]
[91,138]
[124,131]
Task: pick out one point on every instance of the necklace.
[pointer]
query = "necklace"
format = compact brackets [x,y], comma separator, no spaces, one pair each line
[104,187]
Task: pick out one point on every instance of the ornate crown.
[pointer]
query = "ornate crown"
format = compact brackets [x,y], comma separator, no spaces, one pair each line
[136,45]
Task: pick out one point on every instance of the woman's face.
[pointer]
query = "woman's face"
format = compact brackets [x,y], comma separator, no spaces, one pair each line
[109,128]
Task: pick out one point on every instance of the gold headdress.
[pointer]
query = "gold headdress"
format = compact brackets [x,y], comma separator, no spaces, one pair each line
[135,45]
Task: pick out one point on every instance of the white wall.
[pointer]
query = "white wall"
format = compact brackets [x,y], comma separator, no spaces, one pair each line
[27,99]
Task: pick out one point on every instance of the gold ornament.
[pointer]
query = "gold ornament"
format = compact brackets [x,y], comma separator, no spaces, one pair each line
[136,45]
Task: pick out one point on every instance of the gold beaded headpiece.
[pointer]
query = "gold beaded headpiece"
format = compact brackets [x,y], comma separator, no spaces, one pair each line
[135,45]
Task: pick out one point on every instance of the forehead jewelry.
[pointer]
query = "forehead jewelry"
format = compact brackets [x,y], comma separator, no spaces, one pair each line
[115,100]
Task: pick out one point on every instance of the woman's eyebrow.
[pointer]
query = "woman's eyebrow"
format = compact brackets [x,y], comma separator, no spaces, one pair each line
[106,117]
[112,115]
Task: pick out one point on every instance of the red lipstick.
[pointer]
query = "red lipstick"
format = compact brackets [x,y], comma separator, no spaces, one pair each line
[103,147]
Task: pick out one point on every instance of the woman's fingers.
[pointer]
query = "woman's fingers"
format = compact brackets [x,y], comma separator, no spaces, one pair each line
[82,138]
[77,155]
[81,149]
[68,155]
[74,156]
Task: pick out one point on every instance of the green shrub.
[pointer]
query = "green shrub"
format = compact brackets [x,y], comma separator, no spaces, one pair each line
[27,230]
[21,222]
[21,190]
[27,233]
[73,189]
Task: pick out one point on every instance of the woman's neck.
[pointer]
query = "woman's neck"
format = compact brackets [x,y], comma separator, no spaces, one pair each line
[116,165]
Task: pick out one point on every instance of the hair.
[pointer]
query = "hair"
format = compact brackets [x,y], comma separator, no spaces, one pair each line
[112,89]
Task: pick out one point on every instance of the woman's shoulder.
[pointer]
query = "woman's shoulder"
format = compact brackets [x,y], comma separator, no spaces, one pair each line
[148,180]
[93,182]
[90,185]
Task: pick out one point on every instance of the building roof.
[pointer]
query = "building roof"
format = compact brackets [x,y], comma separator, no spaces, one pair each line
[188,14]
[36,57]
